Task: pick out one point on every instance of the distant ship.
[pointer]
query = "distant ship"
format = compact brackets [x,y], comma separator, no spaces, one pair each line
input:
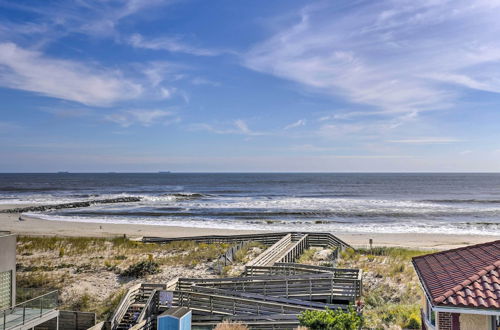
[62,172]
[164,172]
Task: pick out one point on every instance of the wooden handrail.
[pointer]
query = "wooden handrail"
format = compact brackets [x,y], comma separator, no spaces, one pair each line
[125,302]
[271,251]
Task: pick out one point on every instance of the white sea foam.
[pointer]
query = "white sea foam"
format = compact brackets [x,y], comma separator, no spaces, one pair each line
[408,227]
[288,213]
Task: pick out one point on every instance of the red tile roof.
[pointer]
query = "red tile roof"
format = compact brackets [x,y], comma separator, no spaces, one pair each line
[463,277]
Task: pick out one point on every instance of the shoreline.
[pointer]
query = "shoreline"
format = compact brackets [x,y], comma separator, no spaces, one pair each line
[39,227]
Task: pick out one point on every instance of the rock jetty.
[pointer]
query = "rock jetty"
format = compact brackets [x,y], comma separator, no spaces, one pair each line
[42,208]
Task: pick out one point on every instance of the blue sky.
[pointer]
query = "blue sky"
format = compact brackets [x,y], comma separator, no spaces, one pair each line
[192,85]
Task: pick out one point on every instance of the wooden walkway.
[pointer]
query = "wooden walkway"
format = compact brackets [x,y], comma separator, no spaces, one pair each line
[270,294]
[323,287]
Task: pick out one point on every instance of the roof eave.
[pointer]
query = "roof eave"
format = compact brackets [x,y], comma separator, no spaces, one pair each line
[466,310]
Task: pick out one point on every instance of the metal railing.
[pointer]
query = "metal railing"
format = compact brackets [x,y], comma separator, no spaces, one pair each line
[28,310]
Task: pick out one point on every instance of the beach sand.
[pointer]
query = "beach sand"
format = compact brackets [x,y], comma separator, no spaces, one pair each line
[34,226]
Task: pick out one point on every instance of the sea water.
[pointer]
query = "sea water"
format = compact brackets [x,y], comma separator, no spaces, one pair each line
[341,202]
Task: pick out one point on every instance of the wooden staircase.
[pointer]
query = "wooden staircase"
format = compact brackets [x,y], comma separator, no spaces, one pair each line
[132,306]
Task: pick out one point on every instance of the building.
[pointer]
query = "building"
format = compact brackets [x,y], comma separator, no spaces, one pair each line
[462,288]
[41,312]
[7,270]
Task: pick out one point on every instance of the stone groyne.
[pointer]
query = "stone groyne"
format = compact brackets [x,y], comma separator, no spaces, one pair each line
[42,208]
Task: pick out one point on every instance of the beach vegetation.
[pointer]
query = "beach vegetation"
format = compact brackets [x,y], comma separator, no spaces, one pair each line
[331,319]
[40,279]
[197,254]
[307,256]
[246,252]
[141,269]
[391,291]
[107,307]
[81,303]
[73,264]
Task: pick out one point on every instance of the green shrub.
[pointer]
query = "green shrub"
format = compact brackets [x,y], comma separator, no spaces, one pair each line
[141,269]
[331,320]
[405,316]
[108,306]
[306,256]
[241,255]
[82,303]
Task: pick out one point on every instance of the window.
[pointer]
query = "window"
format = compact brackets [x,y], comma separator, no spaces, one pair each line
[495,322]
[5,289]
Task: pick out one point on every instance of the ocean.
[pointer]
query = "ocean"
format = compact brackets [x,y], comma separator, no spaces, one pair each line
[335,202]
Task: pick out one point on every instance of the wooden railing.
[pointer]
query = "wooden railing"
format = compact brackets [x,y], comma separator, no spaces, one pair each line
[98,326]
[316,239]
[229,256]
[266,238]
[122,308]
[323,286]
[224,302]
[254,322]
[272,252]
[295,251]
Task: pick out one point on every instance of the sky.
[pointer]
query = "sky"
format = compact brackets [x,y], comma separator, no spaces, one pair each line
[250,86]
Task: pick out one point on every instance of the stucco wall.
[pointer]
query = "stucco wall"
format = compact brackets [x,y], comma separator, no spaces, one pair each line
[8,259]
[474,322]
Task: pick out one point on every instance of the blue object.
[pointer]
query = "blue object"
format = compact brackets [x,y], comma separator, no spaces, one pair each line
[176,318]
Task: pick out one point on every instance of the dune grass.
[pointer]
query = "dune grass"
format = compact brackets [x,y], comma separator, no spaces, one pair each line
[48,263]
[391,290]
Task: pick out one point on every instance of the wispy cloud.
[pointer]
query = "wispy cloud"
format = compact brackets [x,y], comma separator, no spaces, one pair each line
[298,123]
[69,80]
[204,81]
[387,54]
[311,148]
[142,117]
[427,140]
[238,126]
[170,44]
[6,127]
[95,18]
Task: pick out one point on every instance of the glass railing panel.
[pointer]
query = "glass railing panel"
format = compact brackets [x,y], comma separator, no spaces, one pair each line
[28,310]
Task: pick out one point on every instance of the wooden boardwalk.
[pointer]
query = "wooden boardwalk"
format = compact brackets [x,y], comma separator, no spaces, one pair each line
[323,287]
[270,294]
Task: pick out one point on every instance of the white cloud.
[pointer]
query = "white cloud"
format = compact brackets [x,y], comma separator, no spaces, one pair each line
[166,93]
[94,18]
[204,81]
[298,123]
[142,117]
[396,56]
[169,44]
[311,148]
[238,126]
[426,140]
[70,80]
